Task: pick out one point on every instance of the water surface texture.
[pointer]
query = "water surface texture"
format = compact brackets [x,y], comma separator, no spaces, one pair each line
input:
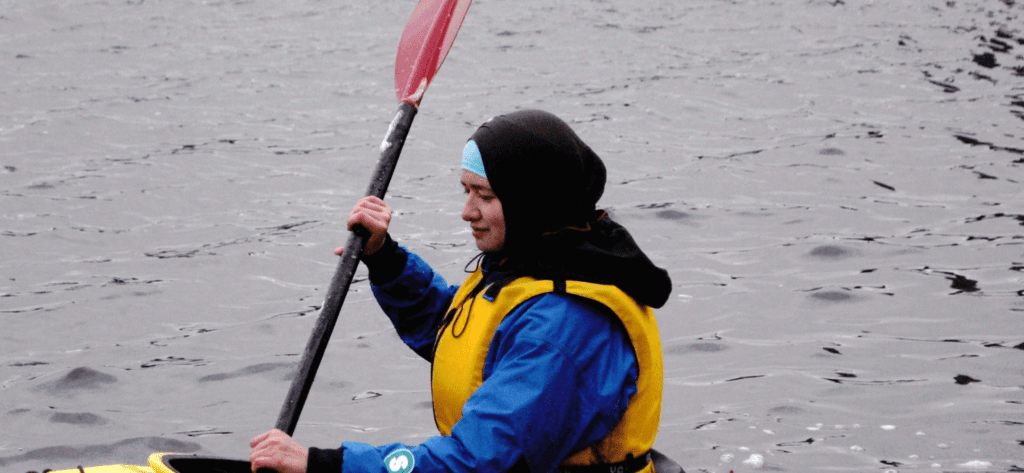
[835,187]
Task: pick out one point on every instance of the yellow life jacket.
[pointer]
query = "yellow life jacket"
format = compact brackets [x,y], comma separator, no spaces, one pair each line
[462,345]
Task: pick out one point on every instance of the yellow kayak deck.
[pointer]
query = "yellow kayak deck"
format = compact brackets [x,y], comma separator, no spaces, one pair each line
[178,463]
[170,463]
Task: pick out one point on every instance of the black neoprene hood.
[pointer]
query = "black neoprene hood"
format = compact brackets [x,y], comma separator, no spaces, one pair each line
[545,176]
[548,182]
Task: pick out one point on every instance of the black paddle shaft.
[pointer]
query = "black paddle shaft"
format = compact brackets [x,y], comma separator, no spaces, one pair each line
[317,345]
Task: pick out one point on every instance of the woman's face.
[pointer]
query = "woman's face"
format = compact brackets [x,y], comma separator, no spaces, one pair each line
[483,212]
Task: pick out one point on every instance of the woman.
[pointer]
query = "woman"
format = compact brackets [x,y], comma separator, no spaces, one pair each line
[547,357]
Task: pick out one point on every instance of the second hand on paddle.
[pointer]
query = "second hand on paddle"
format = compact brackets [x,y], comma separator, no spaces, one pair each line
[427,37]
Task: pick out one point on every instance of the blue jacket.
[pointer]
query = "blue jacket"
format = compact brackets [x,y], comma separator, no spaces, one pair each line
[581,376]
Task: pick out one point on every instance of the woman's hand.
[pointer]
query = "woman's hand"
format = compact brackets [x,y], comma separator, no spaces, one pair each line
[374,215]
[279,452]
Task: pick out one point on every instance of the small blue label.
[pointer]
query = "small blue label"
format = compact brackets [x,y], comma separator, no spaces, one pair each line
[400,461]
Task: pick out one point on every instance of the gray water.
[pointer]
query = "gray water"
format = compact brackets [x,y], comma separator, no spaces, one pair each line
[834,186]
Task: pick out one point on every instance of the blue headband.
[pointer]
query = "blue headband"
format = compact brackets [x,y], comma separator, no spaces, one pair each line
[472,161]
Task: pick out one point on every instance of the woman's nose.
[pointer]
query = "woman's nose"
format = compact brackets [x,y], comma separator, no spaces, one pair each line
[469,212]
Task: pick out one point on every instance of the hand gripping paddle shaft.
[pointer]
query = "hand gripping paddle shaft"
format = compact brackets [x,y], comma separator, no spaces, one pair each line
[428,36]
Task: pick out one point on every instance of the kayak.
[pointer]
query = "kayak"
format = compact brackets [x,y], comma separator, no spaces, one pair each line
[177,463]
[170,463]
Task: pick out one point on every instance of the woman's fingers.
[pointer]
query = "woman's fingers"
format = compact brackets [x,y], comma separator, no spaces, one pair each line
[374,215]
[277,451]
[257,439]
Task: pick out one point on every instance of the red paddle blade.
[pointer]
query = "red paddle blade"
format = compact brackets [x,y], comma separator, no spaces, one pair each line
[428,36]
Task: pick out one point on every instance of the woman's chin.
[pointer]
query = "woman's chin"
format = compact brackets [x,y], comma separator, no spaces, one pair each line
[486,246]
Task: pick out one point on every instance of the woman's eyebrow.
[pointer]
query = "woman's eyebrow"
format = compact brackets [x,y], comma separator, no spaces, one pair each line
[477,187]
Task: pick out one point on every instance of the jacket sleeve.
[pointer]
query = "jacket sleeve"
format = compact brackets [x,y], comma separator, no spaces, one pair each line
[414,297]
[550,388]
